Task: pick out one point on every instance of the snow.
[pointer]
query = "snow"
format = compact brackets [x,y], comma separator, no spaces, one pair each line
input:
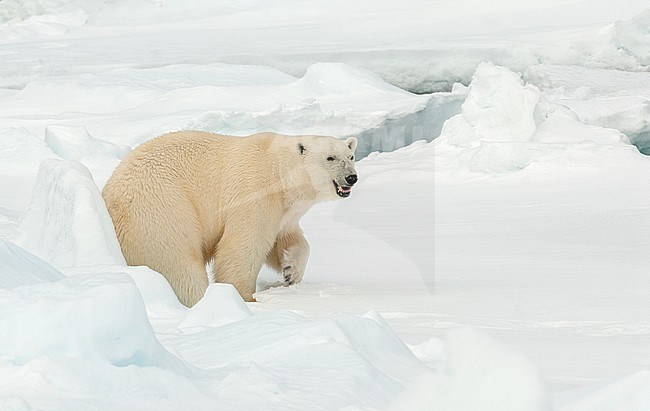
[605,98]
[219,306]
[633,36]
[74,143]
[444,42]
[95,321]
[505,125]
[492,255]
[91,317]
[632,392]
[67,223]
[478,374]
[498,108]
[330,98]
[22,268]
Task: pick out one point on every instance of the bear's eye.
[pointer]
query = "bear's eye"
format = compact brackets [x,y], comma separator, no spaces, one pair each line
[351,157]
[330,158]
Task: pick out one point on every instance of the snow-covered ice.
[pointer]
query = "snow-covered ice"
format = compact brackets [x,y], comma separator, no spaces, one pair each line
[219,306]
[67,223]
[493,255]
[19,267]
[605,98]
[505,125]
[74,143]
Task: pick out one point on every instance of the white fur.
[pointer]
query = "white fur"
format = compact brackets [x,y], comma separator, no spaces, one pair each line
[183,199]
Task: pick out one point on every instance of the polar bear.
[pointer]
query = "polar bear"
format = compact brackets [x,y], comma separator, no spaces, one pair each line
[186,198]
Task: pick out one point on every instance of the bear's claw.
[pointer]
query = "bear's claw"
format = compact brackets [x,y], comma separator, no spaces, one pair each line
[293,264]
[288,276]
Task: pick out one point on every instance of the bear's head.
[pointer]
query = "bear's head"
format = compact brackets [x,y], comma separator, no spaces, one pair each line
[329,163]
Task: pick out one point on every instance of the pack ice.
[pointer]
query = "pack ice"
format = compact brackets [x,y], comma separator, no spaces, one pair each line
[492,257]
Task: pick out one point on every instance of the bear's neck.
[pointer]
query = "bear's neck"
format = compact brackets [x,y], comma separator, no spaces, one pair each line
[297,189]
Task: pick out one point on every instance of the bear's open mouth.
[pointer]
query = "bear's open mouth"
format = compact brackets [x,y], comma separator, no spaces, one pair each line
[342,191]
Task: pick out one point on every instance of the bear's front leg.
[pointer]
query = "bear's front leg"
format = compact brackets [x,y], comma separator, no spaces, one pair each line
[290,255]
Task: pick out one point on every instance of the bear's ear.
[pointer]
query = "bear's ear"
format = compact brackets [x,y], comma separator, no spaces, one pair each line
[301,149]
[352,143]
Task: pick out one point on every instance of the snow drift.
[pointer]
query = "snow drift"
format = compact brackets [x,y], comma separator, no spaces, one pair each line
[505,125]
[22,268]
[94,318]
[599,97]
[75,143]
[478,374]
[67,223]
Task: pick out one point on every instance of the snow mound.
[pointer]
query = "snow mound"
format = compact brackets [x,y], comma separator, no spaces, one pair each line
[505,126]
[633,36]
[499,107]
[22,268]
[75,143]
[342,79]
[67,223]
[478,374]
[158,296]
[91,317]
[220,305]
[430,352]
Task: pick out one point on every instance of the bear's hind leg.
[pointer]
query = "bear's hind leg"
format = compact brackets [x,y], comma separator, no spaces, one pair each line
[165,237]
[188,278]
[236,263]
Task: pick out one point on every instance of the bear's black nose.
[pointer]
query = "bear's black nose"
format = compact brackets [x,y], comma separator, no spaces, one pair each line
[351,179]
